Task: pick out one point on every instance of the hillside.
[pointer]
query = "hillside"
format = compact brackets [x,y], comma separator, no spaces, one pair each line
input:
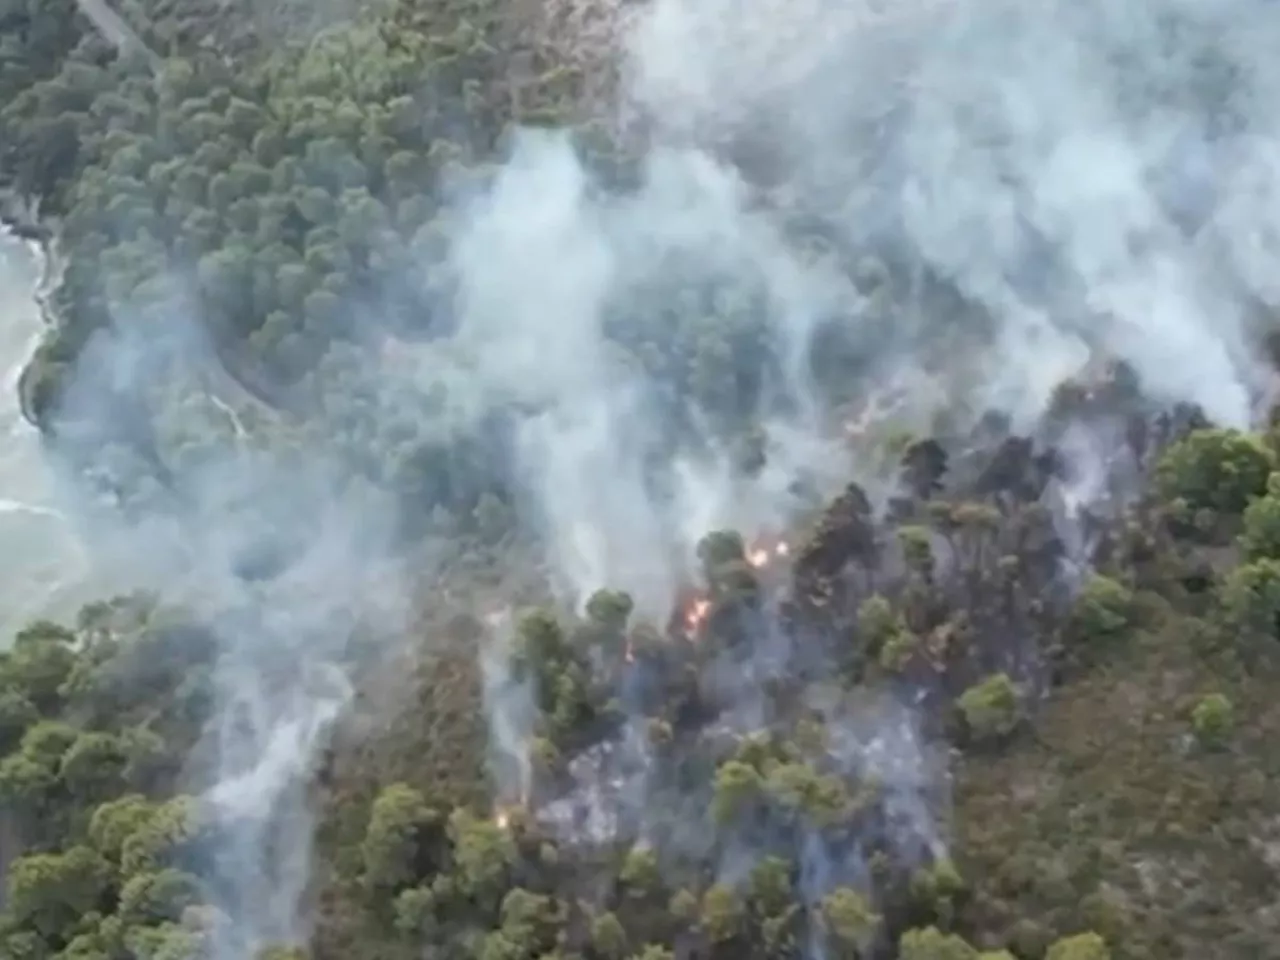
[658,481]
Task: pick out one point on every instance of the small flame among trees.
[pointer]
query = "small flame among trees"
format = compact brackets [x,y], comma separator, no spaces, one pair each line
[696,614]
[762,554]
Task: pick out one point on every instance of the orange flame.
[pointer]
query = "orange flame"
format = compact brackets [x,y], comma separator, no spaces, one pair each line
[760,555]
[505,813]
[696,615]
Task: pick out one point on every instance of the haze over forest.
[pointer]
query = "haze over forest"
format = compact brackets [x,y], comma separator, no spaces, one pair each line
[668,480]
[42,560]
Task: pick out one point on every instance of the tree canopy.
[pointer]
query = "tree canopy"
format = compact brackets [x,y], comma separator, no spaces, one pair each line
[930,713]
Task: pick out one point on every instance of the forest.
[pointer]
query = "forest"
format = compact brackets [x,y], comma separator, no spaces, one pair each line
[559,535]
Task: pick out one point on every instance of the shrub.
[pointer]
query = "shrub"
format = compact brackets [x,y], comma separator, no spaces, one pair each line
[990,709]
[1212,469]
[1213,719]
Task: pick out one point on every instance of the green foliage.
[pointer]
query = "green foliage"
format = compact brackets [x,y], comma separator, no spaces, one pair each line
[654,952]
[39,664]
[897,653]
[157,897]
[878,623]
[483,853]
[850,923]
[1103,612]
[1212,719]
[1212,469]
[738,787]
[608,936]
[723,915]
[392,847]
[276,952]
[1083,946]
[917,549]
[294,181]
[48,892]
[610,610]
[932,944]
[639,872]
[119,867]
[937,887]
[415,913]
[1250,598]
[798,789]
[991,709]
[1260,536]
[885,635]
[684,907]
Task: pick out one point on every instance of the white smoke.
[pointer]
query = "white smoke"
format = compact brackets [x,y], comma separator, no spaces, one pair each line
[510,710]
[1088,177]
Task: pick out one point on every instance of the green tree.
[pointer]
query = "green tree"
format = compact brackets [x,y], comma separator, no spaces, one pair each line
[1082,946]
[738,786]
[917,550]
[174,830]
[1250,598]
[281,952]
[49,892]
[771,886]
[684,907]
[393,842]
[17,714]
[937,887]
[991,709]
[880,626]
[640,873]
[114,822]
[157,897]
[799,790]
[415,912]
[608,936]
[1214,469]
[1260,536]
[1103,612]
[166,942]
[93,767]
[851,925]
[531,920]
[722,914]
[30,777]
[39,663]
[483,853]
[608,612]
[721,548]
[1212,719]
[932,944]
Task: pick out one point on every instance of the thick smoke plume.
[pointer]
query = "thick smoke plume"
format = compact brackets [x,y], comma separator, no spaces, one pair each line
[967,202]
[1089,178]
[42,545]
[1037,187]
[285,559]
[1046,183]
[510,709]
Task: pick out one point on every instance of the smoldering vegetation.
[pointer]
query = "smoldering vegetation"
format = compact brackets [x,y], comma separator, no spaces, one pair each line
[855,320]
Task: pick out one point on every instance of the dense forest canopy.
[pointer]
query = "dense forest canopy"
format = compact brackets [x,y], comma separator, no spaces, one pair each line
[645,481]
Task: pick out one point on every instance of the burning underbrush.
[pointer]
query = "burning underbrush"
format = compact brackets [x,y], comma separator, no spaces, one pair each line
[801,698]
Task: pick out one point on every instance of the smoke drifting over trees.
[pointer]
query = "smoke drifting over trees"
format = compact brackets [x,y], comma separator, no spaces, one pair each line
[625,482]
